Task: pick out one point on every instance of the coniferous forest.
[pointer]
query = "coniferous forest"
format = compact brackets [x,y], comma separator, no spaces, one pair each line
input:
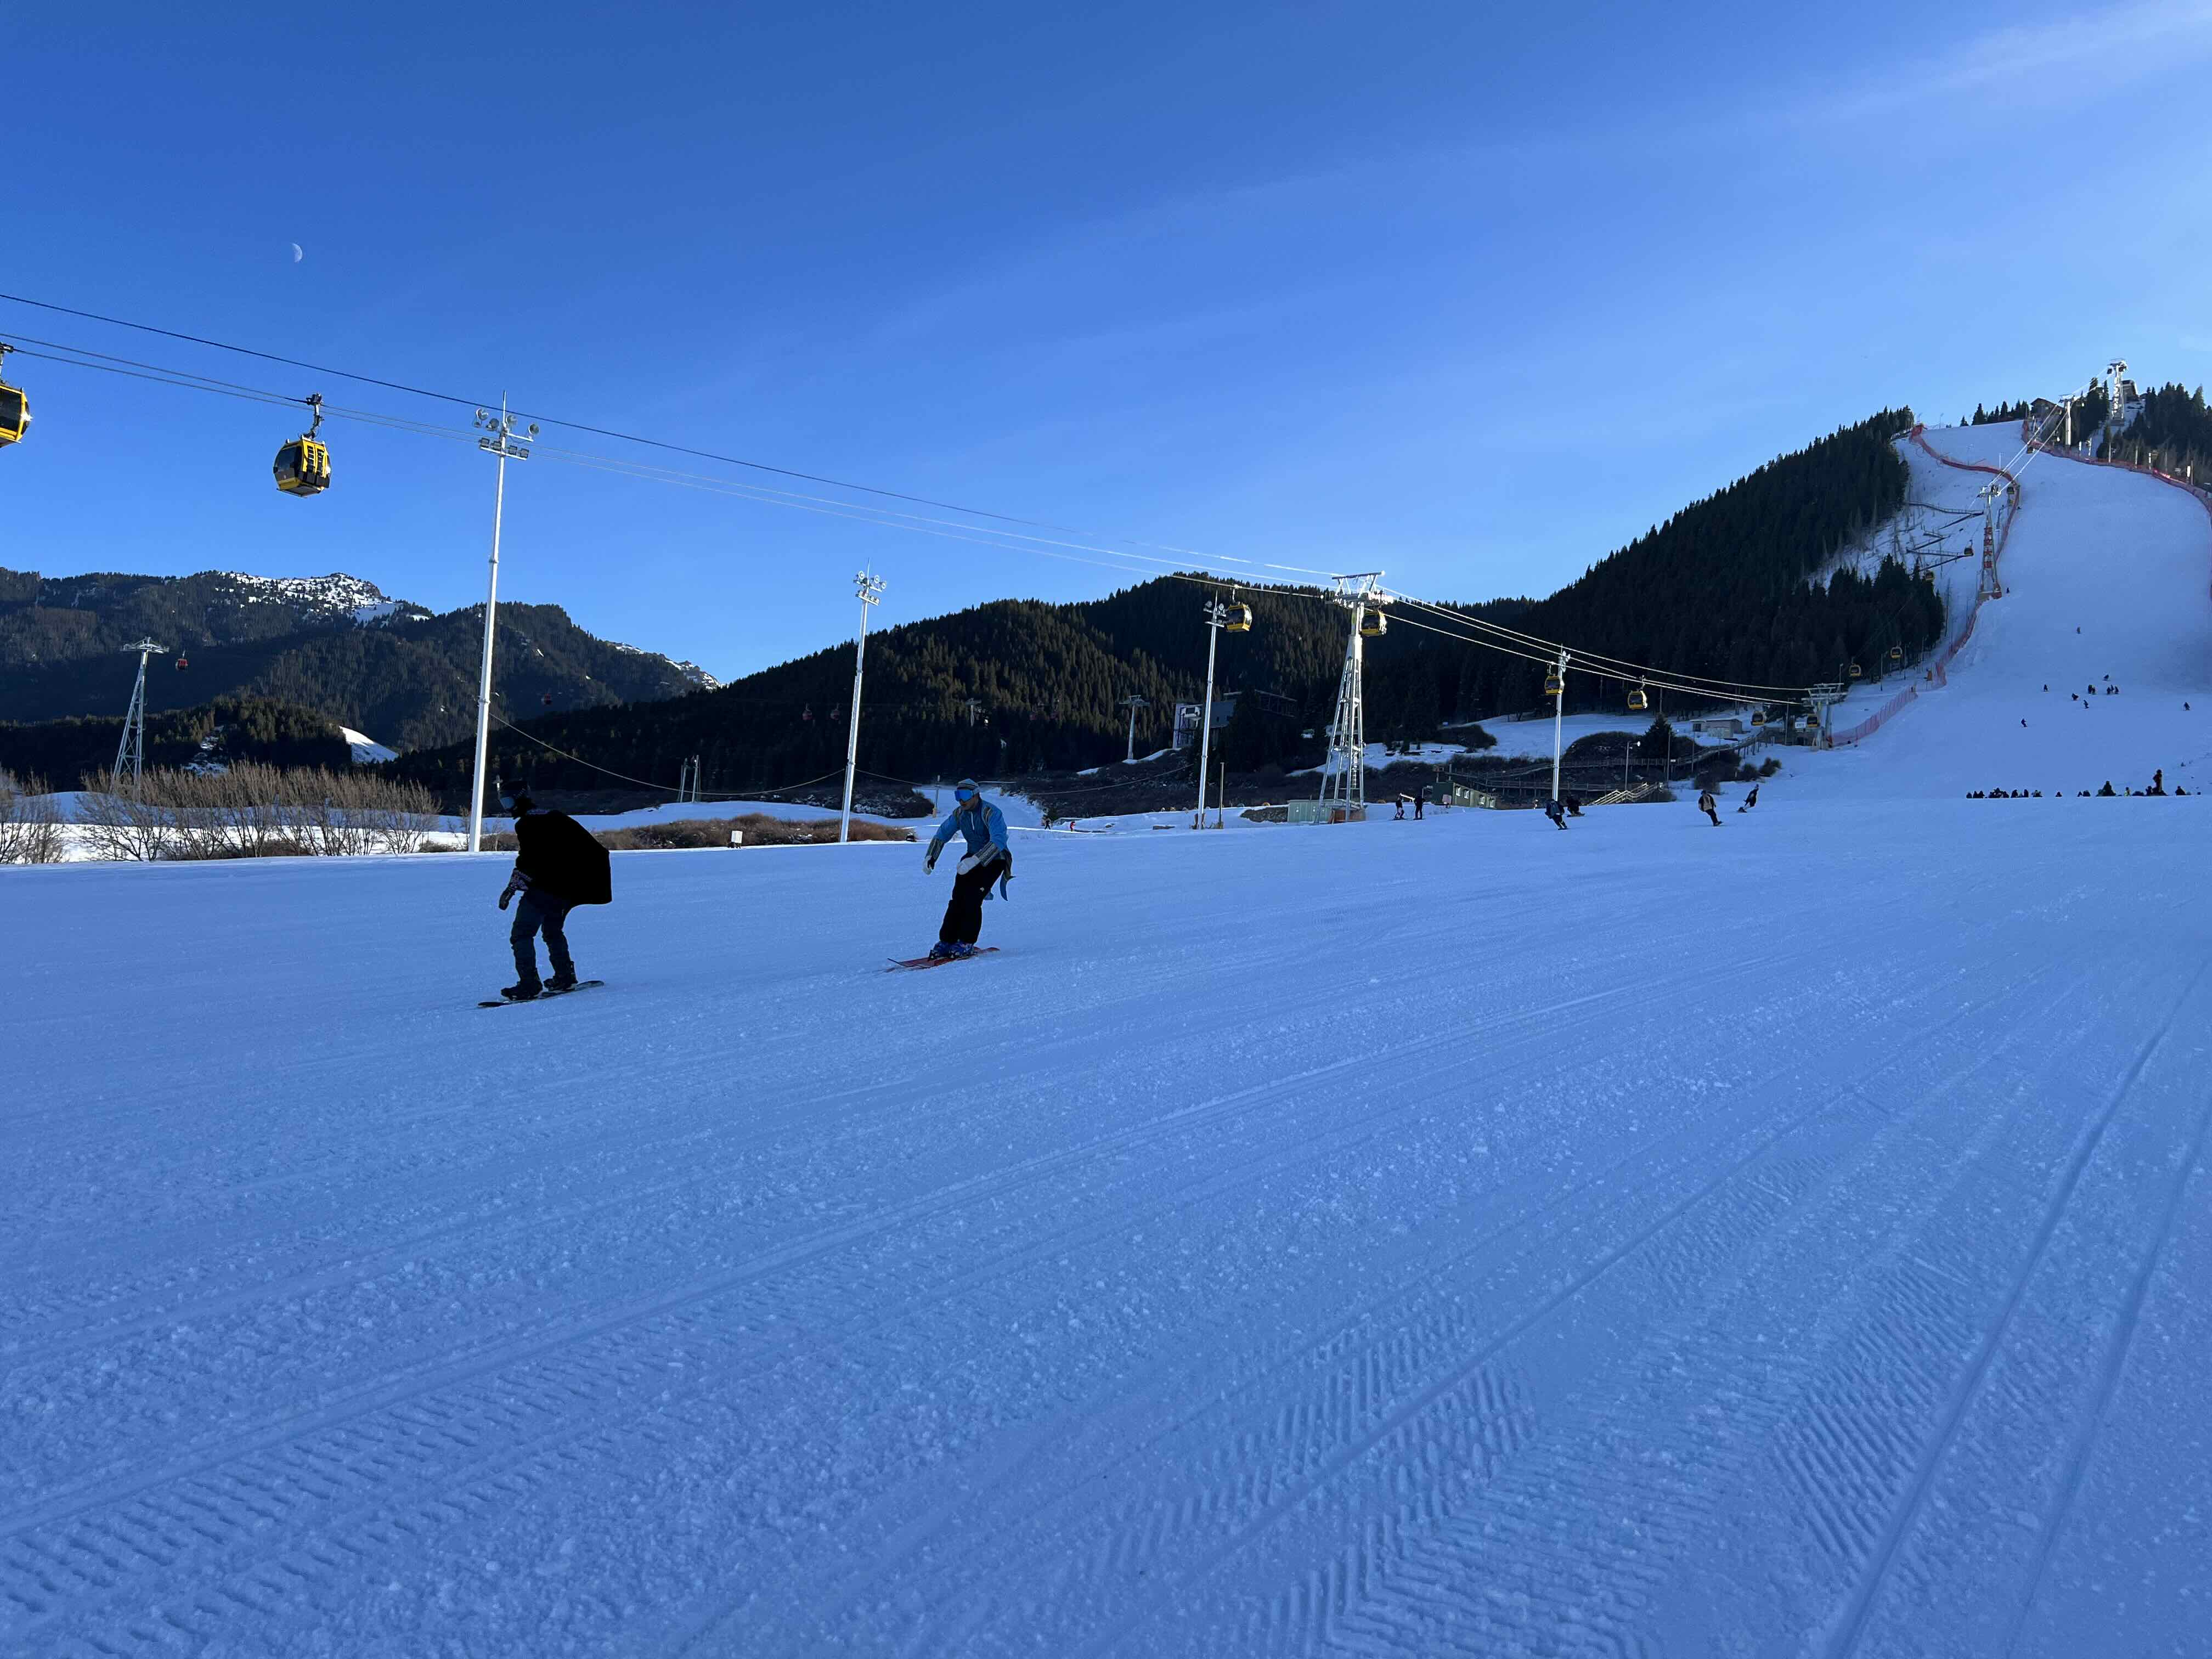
[1726,587]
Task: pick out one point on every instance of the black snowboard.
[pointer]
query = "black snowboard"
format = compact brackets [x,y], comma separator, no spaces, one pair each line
[543,996]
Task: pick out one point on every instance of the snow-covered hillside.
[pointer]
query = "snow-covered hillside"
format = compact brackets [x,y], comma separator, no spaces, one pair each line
[1446,1237]
[2107,580]
[367,750]
[321,597]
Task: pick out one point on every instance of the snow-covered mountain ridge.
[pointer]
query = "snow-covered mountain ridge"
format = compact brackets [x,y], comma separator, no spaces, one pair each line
[338,643]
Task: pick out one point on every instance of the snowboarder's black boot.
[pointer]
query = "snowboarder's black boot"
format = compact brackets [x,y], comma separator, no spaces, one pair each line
[519,992]
[562,982]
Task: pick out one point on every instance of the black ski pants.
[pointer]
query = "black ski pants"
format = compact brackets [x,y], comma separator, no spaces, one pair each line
[535,911]
[963,912]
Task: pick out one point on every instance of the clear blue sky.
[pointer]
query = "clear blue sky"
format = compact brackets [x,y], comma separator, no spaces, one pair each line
[1473,294]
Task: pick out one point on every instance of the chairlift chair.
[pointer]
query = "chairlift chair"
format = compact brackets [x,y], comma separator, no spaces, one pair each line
[1638,701]
[1374,624]
[1896,654]
[1855,672]
[1554,685]
[303,466]
[183,662]
[1237,619]
[1758,717]
[15,408]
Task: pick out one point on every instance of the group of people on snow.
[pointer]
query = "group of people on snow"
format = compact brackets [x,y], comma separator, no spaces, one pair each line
[559,865]
[2157,787]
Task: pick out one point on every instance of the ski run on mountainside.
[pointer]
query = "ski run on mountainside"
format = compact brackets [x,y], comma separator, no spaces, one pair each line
[1788,1237]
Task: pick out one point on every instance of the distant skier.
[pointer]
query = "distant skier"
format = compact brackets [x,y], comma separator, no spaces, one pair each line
[1420,800]
[1750,800]
[1556,810]
[2157,782]
[558,866]
[1574,806]
[989,860]
[1709,806]
[1399,815]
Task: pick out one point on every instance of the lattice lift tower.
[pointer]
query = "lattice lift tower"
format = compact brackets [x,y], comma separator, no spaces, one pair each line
[131,750]
[1344,775]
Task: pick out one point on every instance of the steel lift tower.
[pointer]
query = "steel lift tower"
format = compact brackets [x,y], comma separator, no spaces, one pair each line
[131,750]
[1344,775]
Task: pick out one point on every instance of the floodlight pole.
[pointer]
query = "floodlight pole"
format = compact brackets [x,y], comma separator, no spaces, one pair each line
[869,590]
[508,445]
[1215,613]
[131,750]
[1559,721]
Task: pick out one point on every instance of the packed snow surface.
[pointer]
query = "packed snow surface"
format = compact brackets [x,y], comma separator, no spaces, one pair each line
[1453,1236]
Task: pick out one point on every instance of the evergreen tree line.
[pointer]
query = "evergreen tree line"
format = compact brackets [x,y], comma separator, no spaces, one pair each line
[1726,587]
[1723,589]
[244,729]
[2172,432]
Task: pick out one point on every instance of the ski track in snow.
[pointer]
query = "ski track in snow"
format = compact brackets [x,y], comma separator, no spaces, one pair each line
[1438,1237]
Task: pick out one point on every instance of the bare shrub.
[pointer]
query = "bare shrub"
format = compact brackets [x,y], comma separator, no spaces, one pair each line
[251,810]
[30,823]
[759,828]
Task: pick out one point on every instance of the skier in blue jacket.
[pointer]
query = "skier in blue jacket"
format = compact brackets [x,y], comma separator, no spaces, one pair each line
[989,860]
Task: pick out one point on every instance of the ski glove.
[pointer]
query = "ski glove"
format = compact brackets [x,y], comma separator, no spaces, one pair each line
[977,861]
[515,884]
[929,863]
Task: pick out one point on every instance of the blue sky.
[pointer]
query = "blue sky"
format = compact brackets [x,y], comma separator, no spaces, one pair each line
[1469,294]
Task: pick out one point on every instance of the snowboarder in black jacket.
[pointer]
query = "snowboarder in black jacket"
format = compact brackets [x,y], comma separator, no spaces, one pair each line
[558,866]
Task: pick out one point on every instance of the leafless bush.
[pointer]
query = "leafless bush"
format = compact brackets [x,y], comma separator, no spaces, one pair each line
[253,811]
[759,828]
[30,823]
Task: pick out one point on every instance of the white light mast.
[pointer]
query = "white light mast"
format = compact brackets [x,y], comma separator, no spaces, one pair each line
[1216,614]
[508,446]
[1558,718]
[869,590]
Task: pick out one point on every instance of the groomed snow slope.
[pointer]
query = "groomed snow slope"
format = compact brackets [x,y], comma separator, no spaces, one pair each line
[1441,1237]
[2124,558]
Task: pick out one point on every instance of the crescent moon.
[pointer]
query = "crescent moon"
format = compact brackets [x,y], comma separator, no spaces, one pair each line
[296,254]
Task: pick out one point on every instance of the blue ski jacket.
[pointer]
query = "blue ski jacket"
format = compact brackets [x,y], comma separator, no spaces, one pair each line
[984,828]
